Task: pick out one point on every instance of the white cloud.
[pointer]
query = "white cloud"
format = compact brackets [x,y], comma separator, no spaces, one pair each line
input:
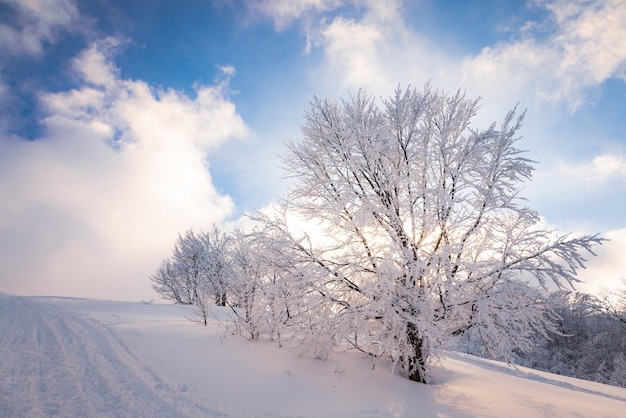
[352,51]
[94,66]
[377,51]
[587,47]
[558,61]
[35,23]
[284,12]
[227,70]
[592,37]
[585,180]
[93,206]
[599,171]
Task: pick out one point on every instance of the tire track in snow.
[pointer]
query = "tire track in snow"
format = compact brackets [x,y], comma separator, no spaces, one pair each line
[57,363]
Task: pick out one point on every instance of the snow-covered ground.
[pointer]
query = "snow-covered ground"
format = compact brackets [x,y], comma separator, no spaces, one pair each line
[82,358]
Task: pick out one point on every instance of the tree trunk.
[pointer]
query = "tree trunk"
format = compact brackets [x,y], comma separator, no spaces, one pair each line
[415,355]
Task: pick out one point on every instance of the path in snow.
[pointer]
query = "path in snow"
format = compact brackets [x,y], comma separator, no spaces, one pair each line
[58,363]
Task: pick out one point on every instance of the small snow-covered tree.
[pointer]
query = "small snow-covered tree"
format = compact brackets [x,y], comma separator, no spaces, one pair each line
[189,261]
[246,285]
[179,276]
[218,265]
[199,270]
[424,235]
[166,282]
[215,274]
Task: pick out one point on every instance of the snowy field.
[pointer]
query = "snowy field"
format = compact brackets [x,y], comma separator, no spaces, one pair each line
[64,357]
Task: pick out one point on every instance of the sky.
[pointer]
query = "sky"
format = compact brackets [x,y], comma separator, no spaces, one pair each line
[124,123]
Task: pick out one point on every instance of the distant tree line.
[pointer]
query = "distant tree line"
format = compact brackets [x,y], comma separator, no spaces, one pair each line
[589,341]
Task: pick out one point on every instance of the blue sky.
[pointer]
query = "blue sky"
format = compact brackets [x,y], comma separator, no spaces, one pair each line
[123,123]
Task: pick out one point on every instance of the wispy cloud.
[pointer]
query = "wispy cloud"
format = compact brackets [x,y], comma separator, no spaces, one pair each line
[585,45]
[578,46]
[599,171]
[586,179]
[285,12]
[35,22]
[121,169]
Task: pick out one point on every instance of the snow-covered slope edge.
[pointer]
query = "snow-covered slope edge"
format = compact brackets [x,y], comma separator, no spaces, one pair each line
[150,360]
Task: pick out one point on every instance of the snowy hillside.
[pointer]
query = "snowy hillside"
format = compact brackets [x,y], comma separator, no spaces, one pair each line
[75,357]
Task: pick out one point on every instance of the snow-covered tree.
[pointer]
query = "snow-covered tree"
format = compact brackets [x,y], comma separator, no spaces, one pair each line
[424,233]
[215,273]
[179,276]
[198,272]
[189,261]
